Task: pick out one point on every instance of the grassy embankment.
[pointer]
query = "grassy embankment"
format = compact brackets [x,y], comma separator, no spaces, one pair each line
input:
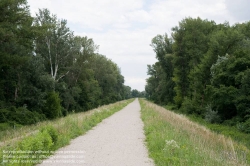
[38,141]
[172,139]
[226,129]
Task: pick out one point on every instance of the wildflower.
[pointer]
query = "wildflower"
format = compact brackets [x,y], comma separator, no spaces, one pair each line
[171,145]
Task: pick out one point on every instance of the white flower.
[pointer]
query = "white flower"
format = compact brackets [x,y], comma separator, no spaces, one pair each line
[171,144]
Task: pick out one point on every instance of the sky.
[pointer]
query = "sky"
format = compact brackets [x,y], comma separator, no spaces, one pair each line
[123,29]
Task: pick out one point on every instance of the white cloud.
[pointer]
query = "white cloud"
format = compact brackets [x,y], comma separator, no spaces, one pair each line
[124,29]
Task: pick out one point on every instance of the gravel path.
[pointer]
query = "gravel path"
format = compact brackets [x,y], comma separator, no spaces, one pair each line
[116,141]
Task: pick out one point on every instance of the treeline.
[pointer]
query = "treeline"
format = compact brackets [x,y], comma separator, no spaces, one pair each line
[203,68]
[46,71]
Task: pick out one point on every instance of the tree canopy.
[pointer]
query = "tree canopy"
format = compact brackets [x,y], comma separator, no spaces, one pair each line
[46,71]
[203,66]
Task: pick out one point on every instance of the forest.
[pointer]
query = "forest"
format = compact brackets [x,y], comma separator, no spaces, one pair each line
[47,72]
[203,70]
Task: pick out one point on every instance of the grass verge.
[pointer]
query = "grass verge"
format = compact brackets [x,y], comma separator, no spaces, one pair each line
[31,144]
[225,128]
[172,139]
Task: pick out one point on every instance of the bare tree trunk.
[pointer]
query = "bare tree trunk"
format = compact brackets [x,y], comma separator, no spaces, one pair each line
[50,59]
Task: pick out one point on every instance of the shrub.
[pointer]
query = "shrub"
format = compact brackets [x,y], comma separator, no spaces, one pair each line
[189,107]
[23,116]
[212,116]
[40,141]
[52,108]
[4,126]
[64,112]
[20,115]
[4,113]
[52,132]
[244,127]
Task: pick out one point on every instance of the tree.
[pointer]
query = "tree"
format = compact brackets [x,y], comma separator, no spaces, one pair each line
[162,45]
[127,92]
[207,65]
[16,38]
[43,65]
[191,40]
[55,44]
[223,40]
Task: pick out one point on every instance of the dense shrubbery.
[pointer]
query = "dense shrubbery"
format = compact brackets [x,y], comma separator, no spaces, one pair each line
[204,63]
[52,108]
[20,115]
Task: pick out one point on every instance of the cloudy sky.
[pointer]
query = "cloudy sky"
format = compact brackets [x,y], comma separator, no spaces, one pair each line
[124,28]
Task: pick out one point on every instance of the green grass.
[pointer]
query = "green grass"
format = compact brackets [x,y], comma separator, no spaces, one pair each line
[51,135]
[172,139]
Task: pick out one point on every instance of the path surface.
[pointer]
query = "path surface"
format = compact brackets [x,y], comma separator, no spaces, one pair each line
[116,141]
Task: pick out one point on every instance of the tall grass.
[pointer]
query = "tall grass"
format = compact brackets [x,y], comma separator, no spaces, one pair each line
[227,128]
[173,139]
[51,135]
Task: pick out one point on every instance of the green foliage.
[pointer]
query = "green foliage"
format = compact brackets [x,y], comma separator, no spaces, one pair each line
[4,115]
[20,115]
[191,42]
[212,116]
[135,93]
[41,58]
[189,107]
[160,85]
[41,140]
[52,108]
[16,38]
[244,127]
[52,132]
[202,64]
[4,126]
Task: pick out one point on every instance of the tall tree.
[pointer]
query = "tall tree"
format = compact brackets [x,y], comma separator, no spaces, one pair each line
[162,45]
[191,43]
[222,41]
[55,44]
[16,46]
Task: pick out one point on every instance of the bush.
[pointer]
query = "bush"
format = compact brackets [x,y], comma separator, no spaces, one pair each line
[53,108]
[23,116]
[64,112]
[4,126]
[52,132]
[40,141]
[20,115]
[4,114]
[212,116]
[244,127]
[38,117]
[189,107]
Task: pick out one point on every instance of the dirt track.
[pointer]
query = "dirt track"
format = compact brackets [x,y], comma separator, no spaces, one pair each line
[116,141]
